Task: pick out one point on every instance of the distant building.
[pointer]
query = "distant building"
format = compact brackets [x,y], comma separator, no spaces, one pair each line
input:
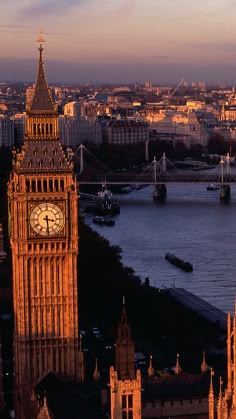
[228,113]
[72,109]
[90,131]
[185,127]
[68,130]
[75,131]
[148,84]
[19,122]
[6,132]
[194,104]
[125,131]
[29,96]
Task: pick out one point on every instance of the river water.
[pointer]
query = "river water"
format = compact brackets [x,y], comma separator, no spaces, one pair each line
[194,225]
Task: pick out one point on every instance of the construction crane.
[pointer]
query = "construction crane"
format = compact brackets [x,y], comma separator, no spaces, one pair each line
[172,94]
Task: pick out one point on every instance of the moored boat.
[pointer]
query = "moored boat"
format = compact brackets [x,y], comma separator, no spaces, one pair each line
[159,193]
[185,266]
[225,193]
[108,221]
[105,203]
[213,187]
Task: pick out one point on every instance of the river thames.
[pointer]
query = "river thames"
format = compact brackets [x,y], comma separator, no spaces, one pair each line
[194,225]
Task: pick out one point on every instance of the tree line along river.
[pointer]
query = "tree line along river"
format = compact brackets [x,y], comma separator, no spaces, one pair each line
[194,225]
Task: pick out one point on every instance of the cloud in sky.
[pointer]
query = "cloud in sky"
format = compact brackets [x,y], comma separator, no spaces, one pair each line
[126,7]
[44,7]
[109,32]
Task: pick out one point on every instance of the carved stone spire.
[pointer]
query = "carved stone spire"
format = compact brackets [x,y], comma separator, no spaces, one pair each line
[96,374]
[211,398]
[220,401]
[177,368]
[42,100]
[124,359]
[204,364]
[150,368]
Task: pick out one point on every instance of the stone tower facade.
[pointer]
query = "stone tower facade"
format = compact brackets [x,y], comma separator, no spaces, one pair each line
[125,382]
[224,406]
[43,229]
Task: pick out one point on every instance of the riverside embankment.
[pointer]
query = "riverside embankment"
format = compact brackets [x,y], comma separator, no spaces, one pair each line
[159,323]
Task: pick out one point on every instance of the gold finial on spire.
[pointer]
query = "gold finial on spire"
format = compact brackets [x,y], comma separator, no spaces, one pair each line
[123,300]
[212,374]
[40,39]
[204,364]
[150,368]
[177,368]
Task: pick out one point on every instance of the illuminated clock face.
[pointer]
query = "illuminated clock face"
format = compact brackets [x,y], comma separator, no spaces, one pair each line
[47,219]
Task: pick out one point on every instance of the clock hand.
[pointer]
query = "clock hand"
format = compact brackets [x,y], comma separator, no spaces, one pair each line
[46,219]
[47,222]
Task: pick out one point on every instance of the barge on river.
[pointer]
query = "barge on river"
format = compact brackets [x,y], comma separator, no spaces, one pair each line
[174,260]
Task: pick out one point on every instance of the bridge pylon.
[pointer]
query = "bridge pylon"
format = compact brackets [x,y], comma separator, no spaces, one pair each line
[159,192]
[225,188]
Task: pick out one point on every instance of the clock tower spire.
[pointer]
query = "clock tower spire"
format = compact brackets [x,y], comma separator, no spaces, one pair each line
[43,229]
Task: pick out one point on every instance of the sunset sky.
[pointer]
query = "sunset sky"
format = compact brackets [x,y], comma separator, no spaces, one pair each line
[120,40]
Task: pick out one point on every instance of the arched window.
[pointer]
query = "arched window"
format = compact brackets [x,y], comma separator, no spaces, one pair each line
[51,128]
[56,185]
[50,185]
[27,185]
[34,129]
[62,185]
[33,186]
[39,186]
[45,185]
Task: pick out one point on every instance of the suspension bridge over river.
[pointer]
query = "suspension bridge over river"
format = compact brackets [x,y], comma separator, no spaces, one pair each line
[159,172]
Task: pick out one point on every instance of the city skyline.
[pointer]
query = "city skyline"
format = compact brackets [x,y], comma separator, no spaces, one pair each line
[123,41]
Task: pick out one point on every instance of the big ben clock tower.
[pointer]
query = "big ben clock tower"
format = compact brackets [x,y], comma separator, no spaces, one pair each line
[43,228]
